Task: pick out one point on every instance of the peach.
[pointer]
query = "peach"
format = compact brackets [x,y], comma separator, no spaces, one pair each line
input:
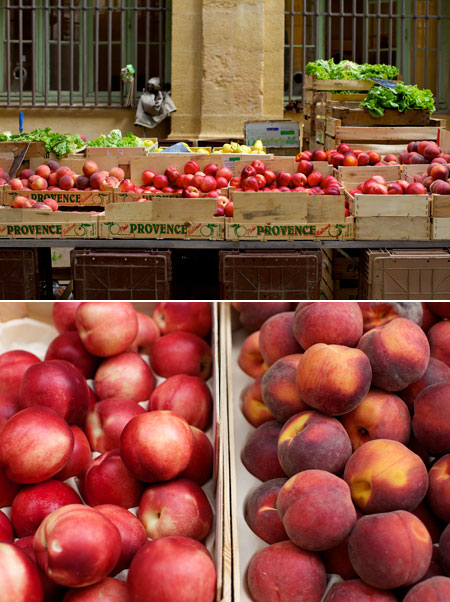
[276,338]
[188,316]
[337,561]
[131,530]
[156,446]
[14,562]
[79,458]
[32,504]
[126,376]
[316,509]
[385,475]
[13,365]
[439,488]
[436,372]
[431,420]
[333,379]
[76,546]
[147,334]
[90,167]
[432,522]
[106,328]
[250,359]
[429,317]
[106,420]
[380,415]
[252,315]
[253,407]
[68,346]
[280,392]
[378,313]
[176,508]
[35,444]
[356,590]
[439,338]
[59,385]
[284,573]
[436,589]
[181,353]
[398,352]
[188,396]
[261,512]
[328,322]
[63,315]
[312,440]
[200,464]
[106,480]
[108,589]
[390,550]
[260,452]
[6,528]
[172,568]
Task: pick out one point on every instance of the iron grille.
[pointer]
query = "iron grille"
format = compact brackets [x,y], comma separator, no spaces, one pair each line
[70,52]
[414,35]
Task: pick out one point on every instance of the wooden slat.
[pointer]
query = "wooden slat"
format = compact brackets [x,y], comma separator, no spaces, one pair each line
[440,205]
[178,209]
[440,228]
[312,83]
[363,173]
[391,205]
[392,228]
[270,207]
[357,116]
[381,133]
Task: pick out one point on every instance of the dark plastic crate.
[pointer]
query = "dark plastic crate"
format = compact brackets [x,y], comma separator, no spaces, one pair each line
[270,274]
[25,274]
[130,274]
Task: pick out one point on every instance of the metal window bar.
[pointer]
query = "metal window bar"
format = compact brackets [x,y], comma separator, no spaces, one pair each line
[414,36]
[70,57]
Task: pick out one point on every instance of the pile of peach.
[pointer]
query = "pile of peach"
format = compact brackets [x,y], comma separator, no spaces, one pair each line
[436,179]
[343,155]
[378,185]
[75,460]
[351,409]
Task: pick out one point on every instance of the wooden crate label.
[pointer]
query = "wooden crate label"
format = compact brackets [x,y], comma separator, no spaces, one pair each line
[283,231]
[158,229]
[47,230]
[93,198]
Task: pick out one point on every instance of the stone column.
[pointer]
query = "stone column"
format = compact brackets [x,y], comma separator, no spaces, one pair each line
[239,65]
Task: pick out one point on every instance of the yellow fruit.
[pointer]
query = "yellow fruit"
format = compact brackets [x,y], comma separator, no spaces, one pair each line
[258,145]
[227,148]
[245,149]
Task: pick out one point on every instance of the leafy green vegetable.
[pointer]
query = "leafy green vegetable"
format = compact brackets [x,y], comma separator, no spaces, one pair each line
[59,144]
[402,98]
[349,70]
[115,139]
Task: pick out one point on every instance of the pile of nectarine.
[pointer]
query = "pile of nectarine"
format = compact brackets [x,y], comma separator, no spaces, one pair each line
[351,408]
[377,185]
[89,474]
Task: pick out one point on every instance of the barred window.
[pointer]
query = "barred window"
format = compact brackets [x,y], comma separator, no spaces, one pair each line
[70,52]
[414,35]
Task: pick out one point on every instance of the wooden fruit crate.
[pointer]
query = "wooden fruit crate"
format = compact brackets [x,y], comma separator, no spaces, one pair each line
[163,217]
[40,223]
[388,138]
[287,216]
[389,216]
[36,149]
[331,85]
[79,198]
[127,152]
[440,217]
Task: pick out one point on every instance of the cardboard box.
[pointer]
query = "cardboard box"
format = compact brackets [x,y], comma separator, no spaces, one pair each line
[274,134]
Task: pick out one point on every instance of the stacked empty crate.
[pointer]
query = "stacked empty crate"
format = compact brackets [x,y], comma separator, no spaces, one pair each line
[319,97]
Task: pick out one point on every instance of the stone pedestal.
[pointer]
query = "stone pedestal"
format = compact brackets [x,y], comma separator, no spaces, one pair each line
[227,65]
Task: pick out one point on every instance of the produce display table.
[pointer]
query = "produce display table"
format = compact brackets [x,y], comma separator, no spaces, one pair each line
[221,244]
